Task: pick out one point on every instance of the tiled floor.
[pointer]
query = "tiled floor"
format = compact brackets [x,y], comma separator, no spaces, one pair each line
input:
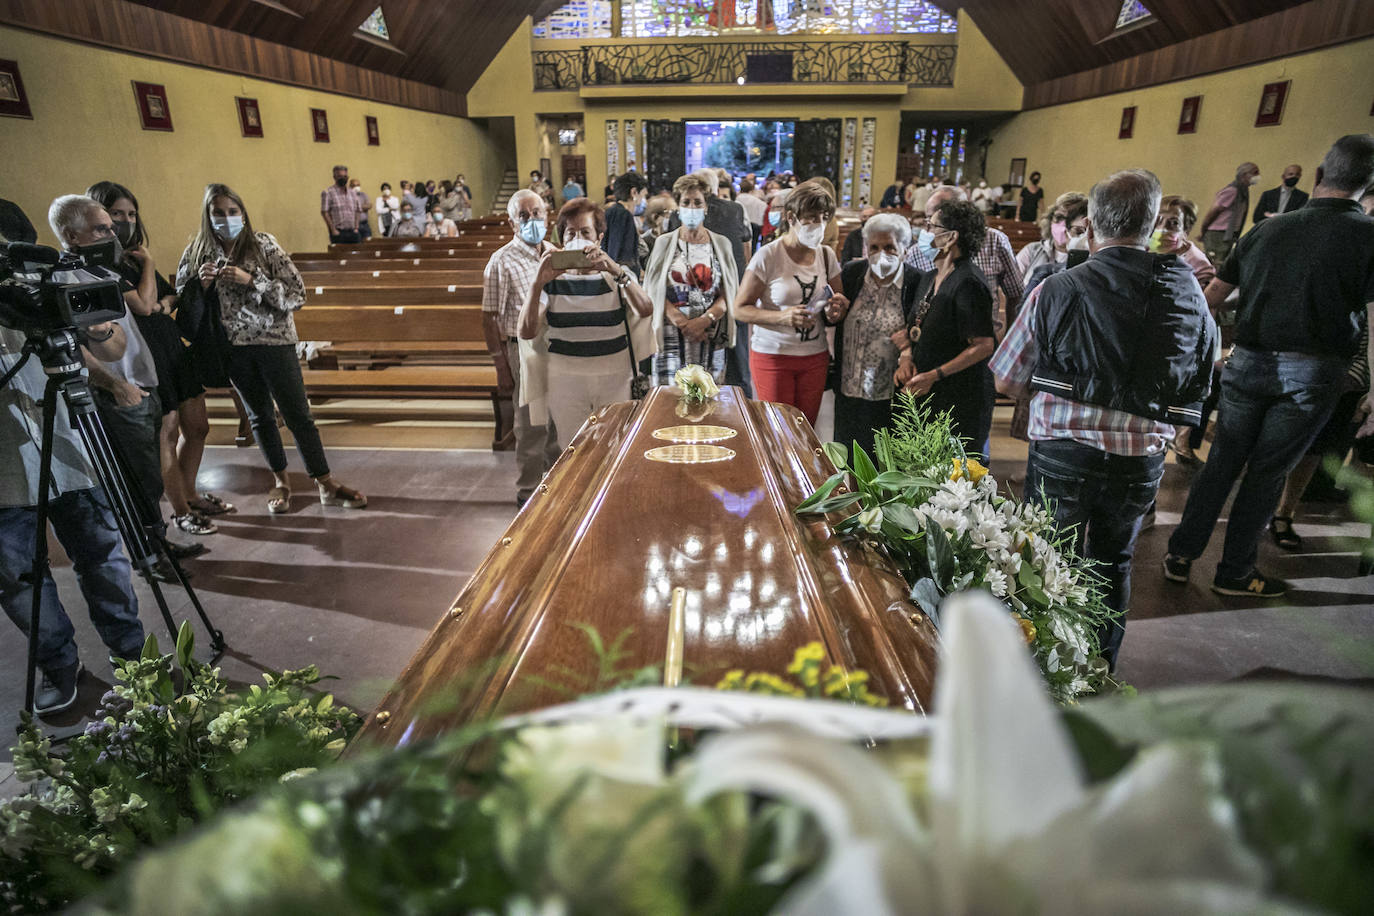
[356,591]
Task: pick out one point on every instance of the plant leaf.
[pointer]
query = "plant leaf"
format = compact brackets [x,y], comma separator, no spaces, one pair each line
[863,466]
[821,493]
[186,644]
[835,451]
[903,516]
[939,554]
[835,502]
[927,594]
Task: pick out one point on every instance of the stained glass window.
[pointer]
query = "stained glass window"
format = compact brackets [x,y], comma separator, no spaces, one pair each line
[376,25]
[577,19]
[677,18]
[1132,11]
[943,151]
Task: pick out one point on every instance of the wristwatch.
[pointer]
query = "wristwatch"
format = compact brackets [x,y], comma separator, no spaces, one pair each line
[939,373]
[624,277]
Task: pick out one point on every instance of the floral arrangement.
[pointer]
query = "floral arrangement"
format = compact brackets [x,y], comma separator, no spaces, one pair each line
[696,383]
[939,515]
[154,763]
[834,683]
[1002,802]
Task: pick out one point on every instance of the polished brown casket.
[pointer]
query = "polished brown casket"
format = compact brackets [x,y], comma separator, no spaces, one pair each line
[615,528]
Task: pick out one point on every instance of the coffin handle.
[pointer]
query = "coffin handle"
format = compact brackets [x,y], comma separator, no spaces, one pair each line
[677,633]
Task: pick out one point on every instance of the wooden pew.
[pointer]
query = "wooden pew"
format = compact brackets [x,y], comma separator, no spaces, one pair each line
[388,335]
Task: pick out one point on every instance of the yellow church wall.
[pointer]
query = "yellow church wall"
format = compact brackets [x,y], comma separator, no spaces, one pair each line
[85,128]
[982,83]
[1074,145]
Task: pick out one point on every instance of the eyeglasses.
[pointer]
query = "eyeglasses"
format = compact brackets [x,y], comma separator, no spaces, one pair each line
[1078,231]
[1058,218]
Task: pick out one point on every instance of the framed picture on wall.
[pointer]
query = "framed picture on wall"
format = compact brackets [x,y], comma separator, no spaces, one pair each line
[373,138]
[1271,104]
[14,101]
[1017,176]
[153,111]
[250,118]
[1187,117]
[319,124]
[1127,123]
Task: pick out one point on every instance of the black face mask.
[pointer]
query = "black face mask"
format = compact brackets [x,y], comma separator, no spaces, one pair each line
[124,231]
[341,181]
[1291,181]
[102,254]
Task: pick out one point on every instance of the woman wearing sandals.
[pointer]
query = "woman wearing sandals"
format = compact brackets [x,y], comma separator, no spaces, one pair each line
[245,280]
[184,421]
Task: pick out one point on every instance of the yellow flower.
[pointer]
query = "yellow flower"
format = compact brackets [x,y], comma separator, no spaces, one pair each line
[733,680]
[1027,628]
[969,468]
[806,664]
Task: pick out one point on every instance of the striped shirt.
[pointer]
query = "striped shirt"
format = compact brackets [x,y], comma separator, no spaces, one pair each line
[1054,417]
[587,322]
[998,264]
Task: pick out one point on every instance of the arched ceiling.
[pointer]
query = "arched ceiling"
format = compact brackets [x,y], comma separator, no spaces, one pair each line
[443,43]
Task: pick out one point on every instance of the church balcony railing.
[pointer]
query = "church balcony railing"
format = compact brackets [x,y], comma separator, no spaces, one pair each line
[918,61]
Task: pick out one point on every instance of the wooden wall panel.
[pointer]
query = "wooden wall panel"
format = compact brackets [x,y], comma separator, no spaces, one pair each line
[1317,24]
[143,30]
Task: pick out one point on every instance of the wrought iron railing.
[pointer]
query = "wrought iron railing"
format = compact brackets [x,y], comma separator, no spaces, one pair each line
[913,63]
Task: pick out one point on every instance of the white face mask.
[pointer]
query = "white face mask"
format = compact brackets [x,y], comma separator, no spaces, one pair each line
[692,217]
[810,235]
[578,244]
[884,264]
[1078,243]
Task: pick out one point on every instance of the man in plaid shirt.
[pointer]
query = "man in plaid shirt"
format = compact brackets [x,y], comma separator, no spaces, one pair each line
[341,209]
[997,262]
[506,285]
[1100,466]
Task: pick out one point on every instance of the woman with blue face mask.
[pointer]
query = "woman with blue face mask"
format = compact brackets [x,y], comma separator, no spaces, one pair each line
[691,280]
[238,289]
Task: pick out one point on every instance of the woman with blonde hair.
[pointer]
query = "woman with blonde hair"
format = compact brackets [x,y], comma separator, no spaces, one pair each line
[245,283]
[691,280]
[796,284]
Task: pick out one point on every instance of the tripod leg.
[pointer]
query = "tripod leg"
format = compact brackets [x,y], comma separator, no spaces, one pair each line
[144,537]
[39,573]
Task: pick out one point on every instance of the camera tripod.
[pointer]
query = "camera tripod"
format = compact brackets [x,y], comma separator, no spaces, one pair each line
[143,537]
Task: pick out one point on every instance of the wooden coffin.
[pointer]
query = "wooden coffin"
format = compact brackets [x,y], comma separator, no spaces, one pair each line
[612,532]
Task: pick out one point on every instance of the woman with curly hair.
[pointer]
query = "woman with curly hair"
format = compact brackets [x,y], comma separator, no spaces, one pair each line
[951,336]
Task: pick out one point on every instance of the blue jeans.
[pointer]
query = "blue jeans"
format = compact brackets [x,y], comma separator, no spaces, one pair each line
[86,527]
[135,433]
[1099,499]
[1272,407]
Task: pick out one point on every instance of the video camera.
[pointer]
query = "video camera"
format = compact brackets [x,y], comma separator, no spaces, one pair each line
[43,290]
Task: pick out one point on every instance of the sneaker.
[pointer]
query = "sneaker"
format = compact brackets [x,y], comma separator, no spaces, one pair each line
[163,572]
[58,690]
[1176,568]
[194,523]
[1255,585]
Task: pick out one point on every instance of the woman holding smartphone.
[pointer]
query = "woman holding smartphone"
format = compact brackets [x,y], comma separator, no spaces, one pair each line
[581,313]
[245,280]
[796,281]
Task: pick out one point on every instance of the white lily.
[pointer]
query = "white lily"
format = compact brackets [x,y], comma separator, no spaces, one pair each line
[1012,825]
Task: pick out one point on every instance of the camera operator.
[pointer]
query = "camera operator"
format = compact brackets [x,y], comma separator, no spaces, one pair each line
[125,390]
[80,515]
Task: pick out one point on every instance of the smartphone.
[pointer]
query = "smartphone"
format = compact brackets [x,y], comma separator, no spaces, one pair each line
[575,259]
[820,301]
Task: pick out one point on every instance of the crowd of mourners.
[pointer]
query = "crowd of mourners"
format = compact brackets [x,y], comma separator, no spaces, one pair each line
[1118,334]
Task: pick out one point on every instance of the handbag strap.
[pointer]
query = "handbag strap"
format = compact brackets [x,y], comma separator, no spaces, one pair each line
[625,318]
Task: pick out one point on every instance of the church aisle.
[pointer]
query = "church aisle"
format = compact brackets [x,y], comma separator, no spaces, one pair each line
[356,592]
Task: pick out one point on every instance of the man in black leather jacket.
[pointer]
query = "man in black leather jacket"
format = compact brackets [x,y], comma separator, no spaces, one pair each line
[1111,353]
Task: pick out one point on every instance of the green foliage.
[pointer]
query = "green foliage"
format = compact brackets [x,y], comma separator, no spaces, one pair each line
[610,673]
[154,763]
[917,439]
[482,822]
[1295,763]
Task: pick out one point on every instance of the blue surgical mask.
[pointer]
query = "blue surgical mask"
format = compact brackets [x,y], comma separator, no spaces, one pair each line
[923,243]
[640,207]
[691,217]
[532,231]
[774,217]
[228,228]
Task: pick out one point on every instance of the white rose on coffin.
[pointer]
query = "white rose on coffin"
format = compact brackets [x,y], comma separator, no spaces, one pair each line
[696,383]
[1010,825]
